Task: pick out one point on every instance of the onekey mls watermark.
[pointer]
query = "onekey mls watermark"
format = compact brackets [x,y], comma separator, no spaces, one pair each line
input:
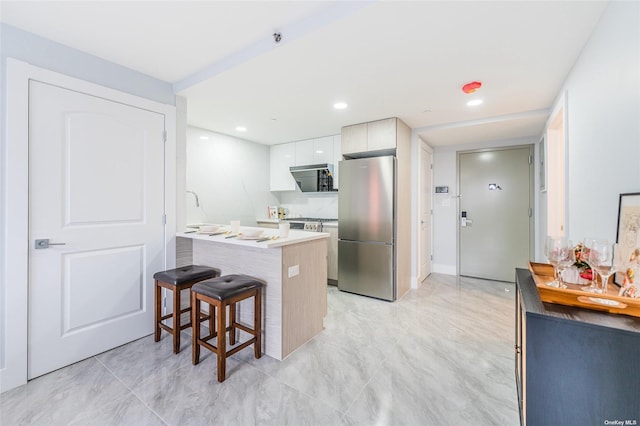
[620,422]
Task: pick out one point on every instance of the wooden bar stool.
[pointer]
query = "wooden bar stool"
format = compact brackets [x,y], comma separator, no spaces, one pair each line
[176,280]
[220,293]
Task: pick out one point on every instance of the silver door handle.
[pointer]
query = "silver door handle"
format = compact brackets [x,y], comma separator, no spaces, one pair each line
[44,243]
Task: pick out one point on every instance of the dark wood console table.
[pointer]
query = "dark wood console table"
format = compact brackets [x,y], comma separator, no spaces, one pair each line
[574,366]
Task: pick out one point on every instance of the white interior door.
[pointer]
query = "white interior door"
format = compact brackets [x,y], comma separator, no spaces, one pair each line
[495,237]
[96,185]
[425,211]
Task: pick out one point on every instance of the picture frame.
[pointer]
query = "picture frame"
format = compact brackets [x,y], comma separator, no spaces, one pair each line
[542,164]
[628,233]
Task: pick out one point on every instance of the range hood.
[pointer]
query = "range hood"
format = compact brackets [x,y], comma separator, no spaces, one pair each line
[314,177]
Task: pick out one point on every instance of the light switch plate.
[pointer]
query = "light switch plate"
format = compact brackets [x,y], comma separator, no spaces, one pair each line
[294,270]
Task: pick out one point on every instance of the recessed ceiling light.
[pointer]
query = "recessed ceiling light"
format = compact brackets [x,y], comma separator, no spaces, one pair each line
[474,102]
[340,105]
[204,138]
[319,151]
[241,129]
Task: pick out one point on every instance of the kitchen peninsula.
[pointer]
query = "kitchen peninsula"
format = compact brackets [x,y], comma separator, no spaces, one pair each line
[293,268]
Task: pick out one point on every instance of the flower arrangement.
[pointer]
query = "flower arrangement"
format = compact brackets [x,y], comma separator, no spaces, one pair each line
[583,267]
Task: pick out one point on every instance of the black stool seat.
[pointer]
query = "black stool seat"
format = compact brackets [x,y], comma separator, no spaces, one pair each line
[226,287]
[187,273]
[176,280]
[220,293]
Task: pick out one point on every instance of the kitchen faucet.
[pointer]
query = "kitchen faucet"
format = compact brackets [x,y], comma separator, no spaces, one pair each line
[195,195]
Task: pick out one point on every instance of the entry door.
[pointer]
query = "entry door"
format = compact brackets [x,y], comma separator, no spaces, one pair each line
[96,184]
[494,220]
[425,212]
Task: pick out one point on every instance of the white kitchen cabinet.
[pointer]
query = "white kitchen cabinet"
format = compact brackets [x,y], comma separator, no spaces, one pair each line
[281,157]
[378,135]
[337,157]
[304,152]
[354,138]
[301,153]
[323,150]
[332,254]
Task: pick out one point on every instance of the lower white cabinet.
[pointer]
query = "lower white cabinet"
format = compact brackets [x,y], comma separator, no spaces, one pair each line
[332,255]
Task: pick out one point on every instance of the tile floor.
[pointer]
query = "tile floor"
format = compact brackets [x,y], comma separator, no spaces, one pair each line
[442,355]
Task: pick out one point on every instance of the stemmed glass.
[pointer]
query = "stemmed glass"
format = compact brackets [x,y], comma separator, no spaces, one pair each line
[556,248]
[585,256]
[565,262]
[606,260]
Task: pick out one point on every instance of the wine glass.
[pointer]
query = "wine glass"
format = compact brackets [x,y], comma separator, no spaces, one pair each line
[565,262]
[555,248]
[587,245]
[605,259]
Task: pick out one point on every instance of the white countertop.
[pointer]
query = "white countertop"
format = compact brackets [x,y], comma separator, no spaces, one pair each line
[332,224]
[295,237]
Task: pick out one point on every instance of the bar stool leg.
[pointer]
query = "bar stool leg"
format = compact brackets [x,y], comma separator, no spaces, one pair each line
[222,341]
[257,321]
[195,341]
[176,321]
[232,320]
[157,310]
[212,320]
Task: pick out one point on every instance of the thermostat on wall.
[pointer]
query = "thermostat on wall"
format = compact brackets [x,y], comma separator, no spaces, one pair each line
[442,189]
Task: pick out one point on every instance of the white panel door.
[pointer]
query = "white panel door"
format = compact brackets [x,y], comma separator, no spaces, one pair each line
[96,185]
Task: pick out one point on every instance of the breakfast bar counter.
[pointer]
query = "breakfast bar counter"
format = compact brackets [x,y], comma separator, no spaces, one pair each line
[293,268]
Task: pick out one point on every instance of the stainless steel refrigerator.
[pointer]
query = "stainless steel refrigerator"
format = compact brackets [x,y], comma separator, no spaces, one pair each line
[366,230]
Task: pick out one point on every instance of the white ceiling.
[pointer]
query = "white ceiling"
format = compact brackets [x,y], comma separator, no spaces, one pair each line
[407,59]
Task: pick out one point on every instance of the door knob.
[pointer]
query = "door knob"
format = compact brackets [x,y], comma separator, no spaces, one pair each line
[44,243]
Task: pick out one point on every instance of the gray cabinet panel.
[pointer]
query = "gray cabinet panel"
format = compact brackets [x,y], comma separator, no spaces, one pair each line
[574,366]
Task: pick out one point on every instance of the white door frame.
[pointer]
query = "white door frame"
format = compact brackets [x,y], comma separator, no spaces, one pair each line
[15,244]
[428,148]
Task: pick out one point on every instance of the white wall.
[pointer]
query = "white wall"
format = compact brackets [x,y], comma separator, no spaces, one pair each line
[303,204]
[230,176]
[45,54]
[603,91]
[603,139]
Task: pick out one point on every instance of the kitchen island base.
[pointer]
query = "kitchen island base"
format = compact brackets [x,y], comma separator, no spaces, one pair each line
[295,295]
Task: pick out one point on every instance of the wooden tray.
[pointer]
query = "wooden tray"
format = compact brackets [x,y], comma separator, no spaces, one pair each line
[574,296]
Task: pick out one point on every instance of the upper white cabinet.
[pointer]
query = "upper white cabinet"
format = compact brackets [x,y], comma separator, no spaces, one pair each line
[282,157]
[337,157]
[365,137]
[302,153]
[323,150]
